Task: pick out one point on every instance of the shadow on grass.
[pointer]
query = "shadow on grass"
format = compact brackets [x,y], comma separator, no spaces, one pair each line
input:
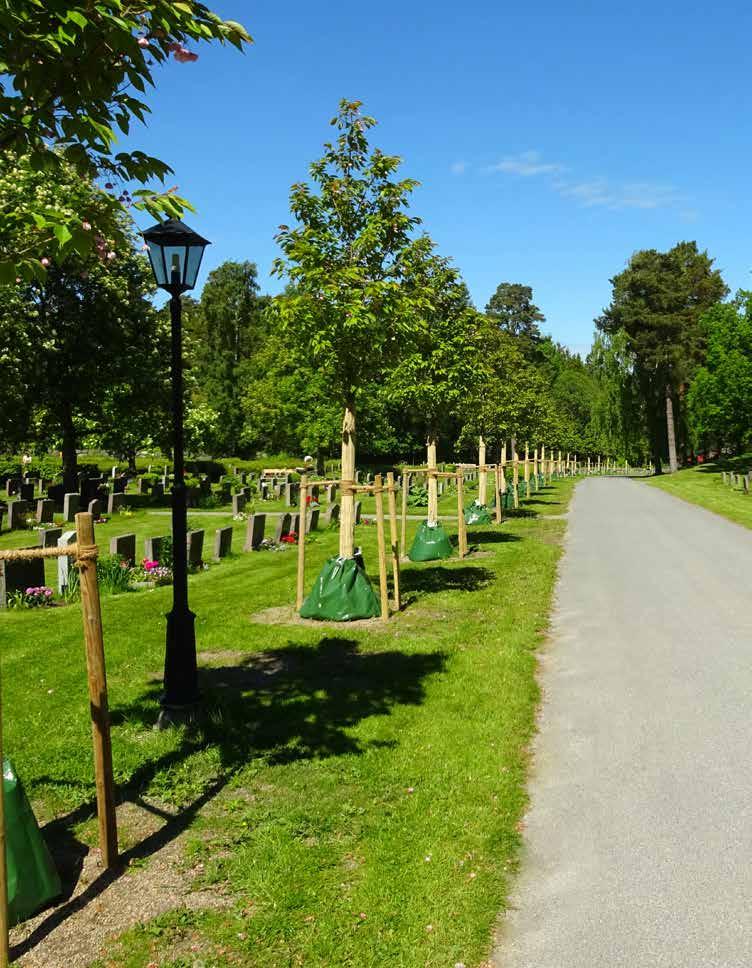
[440,578]
[276,707]
[491,537]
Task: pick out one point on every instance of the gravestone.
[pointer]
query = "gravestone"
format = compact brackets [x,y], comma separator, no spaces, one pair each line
[358,507]
[124,545]
[246,492]
[276,489]
[313,520]
[18,575]
[283,527]
[331,493]
[254,534]
[114,502]
[17,511]
[71,503]
[315,493]
[12,484]
[745,484]
[91,487]
[56,492]
[238,503]
[114,471]
[222,542]
[26,492]
[119,484]
[332,515]
[291,495]
[3,509]
[45,511]
[95,509]
[264,491]
[63,564]
[48,537]
[440,488]
[157,490]
[153,547]
[195,548]
[140,485]
[295,523]
[723,475]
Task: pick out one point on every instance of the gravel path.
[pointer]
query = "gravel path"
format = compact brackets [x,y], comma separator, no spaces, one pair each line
[639,837]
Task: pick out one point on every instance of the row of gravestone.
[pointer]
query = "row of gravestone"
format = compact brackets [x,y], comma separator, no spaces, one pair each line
[17,512]
[733,480]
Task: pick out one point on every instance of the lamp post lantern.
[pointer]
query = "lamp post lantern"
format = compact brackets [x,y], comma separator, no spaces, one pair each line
[175,253]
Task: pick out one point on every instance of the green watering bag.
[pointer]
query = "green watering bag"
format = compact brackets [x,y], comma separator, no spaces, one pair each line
[32,877]
[431,543]
[341,593]
[477,514]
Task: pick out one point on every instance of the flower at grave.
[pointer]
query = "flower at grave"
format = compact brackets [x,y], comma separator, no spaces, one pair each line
[289,538]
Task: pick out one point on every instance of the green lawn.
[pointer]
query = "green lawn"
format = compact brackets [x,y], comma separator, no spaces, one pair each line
[356,792]
[704,485]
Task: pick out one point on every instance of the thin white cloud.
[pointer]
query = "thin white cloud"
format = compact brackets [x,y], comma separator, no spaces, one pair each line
[603,193]
[598,192]
[527,164]
[458,168]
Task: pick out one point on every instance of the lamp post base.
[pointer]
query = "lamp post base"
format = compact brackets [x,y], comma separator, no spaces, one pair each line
[181,697]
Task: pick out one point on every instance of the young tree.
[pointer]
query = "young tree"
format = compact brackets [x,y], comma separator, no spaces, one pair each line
[657,301]
[434,377]
[351,309]
[70,75]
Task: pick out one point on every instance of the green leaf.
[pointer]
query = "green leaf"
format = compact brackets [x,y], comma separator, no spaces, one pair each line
[62,234]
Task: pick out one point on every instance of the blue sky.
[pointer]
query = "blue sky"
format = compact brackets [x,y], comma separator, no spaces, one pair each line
[551,140]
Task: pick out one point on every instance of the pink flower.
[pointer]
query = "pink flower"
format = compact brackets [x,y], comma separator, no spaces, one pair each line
[183,55]
[86,226]
[143,42]
[110,256]
[45,261]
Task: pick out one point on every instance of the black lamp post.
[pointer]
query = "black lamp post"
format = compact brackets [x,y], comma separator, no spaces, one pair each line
[175,252]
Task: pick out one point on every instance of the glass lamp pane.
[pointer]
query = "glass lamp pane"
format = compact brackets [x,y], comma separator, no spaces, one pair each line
[157,263]
[195,252]
[175,261]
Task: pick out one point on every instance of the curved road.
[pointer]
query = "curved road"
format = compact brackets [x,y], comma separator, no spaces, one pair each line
[639,835]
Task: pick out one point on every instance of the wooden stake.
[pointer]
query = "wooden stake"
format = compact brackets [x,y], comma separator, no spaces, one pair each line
[461,529]
[347,503]
[379,495]
[303,508]
[433,484]
[392,498]
[482,475]
[97,676]
[499,511]
[405,489]
[516,480]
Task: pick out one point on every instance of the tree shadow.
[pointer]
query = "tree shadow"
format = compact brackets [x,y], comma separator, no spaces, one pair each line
[521,513]
[274,707]
[440,578]
[491,537]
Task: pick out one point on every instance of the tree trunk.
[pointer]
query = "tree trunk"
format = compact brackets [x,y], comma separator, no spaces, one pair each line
[433,484]
[482,475]
[131,457]
[671,430]
[320,462]
[70,457]
[347,509]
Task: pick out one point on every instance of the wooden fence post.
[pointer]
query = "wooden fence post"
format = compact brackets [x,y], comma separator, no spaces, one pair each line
[303,509]
[378,493]
[392,498]
[97,676]
[461,529]
[4,942]
[499,510]
[405,489]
